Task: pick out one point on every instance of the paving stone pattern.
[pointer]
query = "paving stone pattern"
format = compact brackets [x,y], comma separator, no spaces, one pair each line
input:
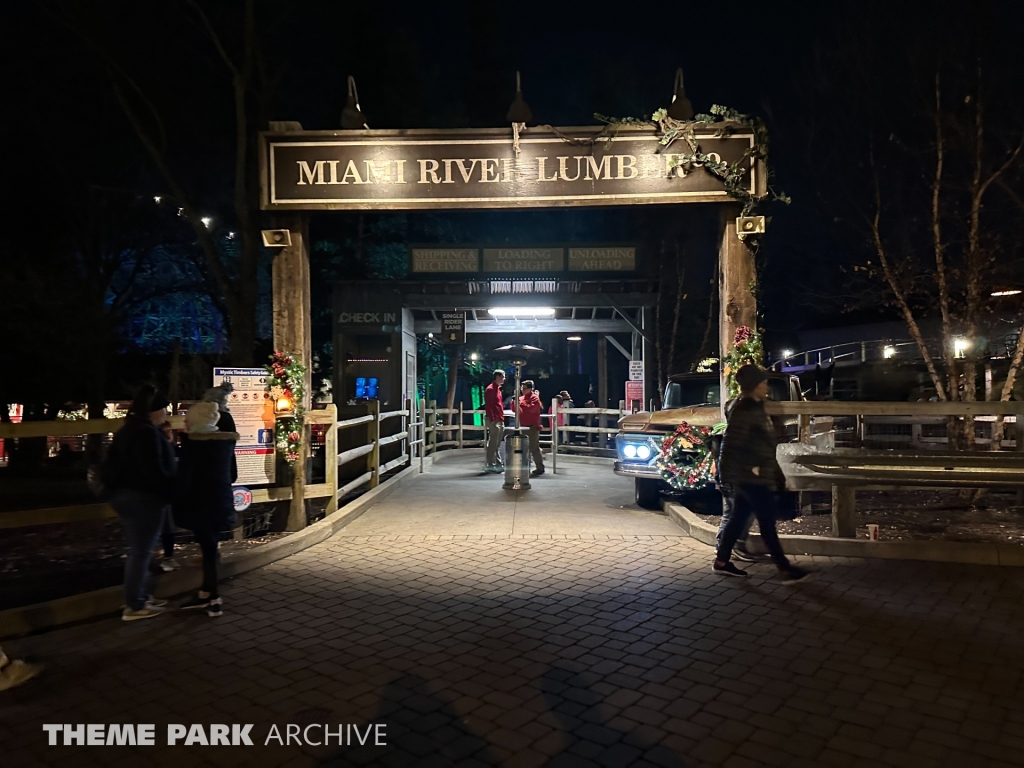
[555,651]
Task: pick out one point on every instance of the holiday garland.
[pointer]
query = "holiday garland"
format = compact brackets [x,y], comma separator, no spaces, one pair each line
[734,176]
[747,348]
[285,377]
[686,461]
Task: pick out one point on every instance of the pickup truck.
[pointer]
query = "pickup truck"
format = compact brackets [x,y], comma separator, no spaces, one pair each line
[696,399]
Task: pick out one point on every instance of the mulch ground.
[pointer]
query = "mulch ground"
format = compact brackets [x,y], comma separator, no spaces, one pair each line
[945,515]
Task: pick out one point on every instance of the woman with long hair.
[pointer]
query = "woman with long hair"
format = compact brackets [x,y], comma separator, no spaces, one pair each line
[139,474]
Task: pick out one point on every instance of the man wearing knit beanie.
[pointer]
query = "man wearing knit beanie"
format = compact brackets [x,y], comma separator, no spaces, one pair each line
[751,475]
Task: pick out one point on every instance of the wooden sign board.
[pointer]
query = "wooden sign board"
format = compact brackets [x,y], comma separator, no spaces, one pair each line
[519,260]
[444,260]
[530,260]
[480,168]
[602,259]
[453,327]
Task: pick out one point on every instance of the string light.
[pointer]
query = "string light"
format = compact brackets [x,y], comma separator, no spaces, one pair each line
[157,198]
[207,221]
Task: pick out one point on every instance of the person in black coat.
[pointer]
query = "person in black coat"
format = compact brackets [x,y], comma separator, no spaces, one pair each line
[139,474]
[203,500]
[751,476]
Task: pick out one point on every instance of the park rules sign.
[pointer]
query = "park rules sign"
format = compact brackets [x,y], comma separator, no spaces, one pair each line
[253,414]
[480,168]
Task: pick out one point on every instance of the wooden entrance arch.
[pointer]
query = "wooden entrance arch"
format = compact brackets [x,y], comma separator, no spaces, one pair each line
[305,171]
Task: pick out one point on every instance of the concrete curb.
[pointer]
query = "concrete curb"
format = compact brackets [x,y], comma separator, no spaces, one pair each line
[935,551]
[108,601]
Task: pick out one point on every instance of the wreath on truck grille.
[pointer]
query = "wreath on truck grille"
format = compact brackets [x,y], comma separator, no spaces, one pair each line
[687,461]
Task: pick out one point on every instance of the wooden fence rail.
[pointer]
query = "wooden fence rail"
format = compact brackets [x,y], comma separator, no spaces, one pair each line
[417,435]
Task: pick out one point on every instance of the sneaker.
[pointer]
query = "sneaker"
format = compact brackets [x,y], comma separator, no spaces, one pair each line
[145,612]
[499,469]
[793,574]
[156,602]
[17,672]
[169,564]
[749,557]
[215,608]
[537,472]
[195,602]
[727,570]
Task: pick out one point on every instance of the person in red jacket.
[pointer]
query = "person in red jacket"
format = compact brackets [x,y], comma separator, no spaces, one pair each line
[494,417]
[529,417]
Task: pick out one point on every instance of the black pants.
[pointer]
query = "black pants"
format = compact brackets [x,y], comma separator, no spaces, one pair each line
[207,541]
[757,500]
[728,511]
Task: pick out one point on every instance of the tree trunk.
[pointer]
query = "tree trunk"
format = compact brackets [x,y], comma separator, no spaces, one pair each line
[454,361]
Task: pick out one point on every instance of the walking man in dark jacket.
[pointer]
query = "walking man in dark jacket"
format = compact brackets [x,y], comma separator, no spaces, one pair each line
[739,549]
[752,475]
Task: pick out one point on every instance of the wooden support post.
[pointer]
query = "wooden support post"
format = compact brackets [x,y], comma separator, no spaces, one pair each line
[410,431]
[804,422]
[373,438]
[292,305]
[1018,430]
[461,421]
[844,511]
[554,435]
[737,278]
[803,498]
[331,459]
[433,424]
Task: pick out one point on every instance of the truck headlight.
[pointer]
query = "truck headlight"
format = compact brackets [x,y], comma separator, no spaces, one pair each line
[630,451]
[643,451]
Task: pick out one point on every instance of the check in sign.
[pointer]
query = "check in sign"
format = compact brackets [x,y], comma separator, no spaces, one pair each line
[453,327]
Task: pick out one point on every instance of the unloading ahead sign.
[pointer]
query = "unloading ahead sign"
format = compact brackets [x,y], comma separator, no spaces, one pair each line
[453,327]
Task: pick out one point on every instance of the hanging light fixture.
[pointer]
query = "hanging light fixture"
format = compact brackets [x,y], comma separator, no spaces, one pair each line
[680,108]
[352,117]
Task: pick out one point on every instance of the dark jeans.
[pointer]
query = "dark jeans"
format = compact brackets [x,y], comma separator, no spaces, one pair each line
[207,541]
[728,512]
[142,518]
[167,535]
[757,500]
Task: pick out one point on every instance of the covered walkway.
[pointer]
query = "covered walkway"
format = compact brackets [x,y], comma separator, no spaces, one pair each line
[454,498]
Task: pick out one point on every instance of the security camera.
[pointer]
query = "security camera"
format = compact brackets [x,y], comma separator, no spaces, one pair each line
[277,238]
[749,225]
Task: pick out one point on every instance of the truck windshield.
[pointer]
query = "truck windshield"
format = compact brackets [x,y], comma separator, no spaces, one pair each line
[701,391]
[692,392]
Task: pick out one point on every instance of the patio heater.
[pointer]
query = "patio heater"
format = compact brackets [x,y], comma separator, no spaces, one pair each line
[517,454]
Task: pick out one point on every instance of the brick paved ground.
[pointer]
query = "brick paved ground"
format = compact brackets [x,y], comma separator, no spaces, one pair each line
[534,650]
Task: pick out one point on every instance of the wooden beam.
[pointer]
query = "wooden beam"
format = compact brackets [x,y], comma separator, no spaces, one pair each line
[292,306]
[844,511]
[737,275]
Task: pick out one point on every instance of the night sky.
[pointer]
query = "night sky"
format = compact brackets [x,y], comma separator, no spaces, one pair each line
[452,65]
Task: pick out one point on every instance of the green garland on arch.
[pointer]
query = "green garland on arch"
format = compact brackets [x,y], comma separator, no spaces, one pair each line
[747,348]
[285,377]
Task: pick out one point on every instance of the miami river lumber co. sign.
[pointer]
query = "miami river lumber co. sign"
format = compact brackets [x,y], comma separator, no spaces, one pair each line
[409,170]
